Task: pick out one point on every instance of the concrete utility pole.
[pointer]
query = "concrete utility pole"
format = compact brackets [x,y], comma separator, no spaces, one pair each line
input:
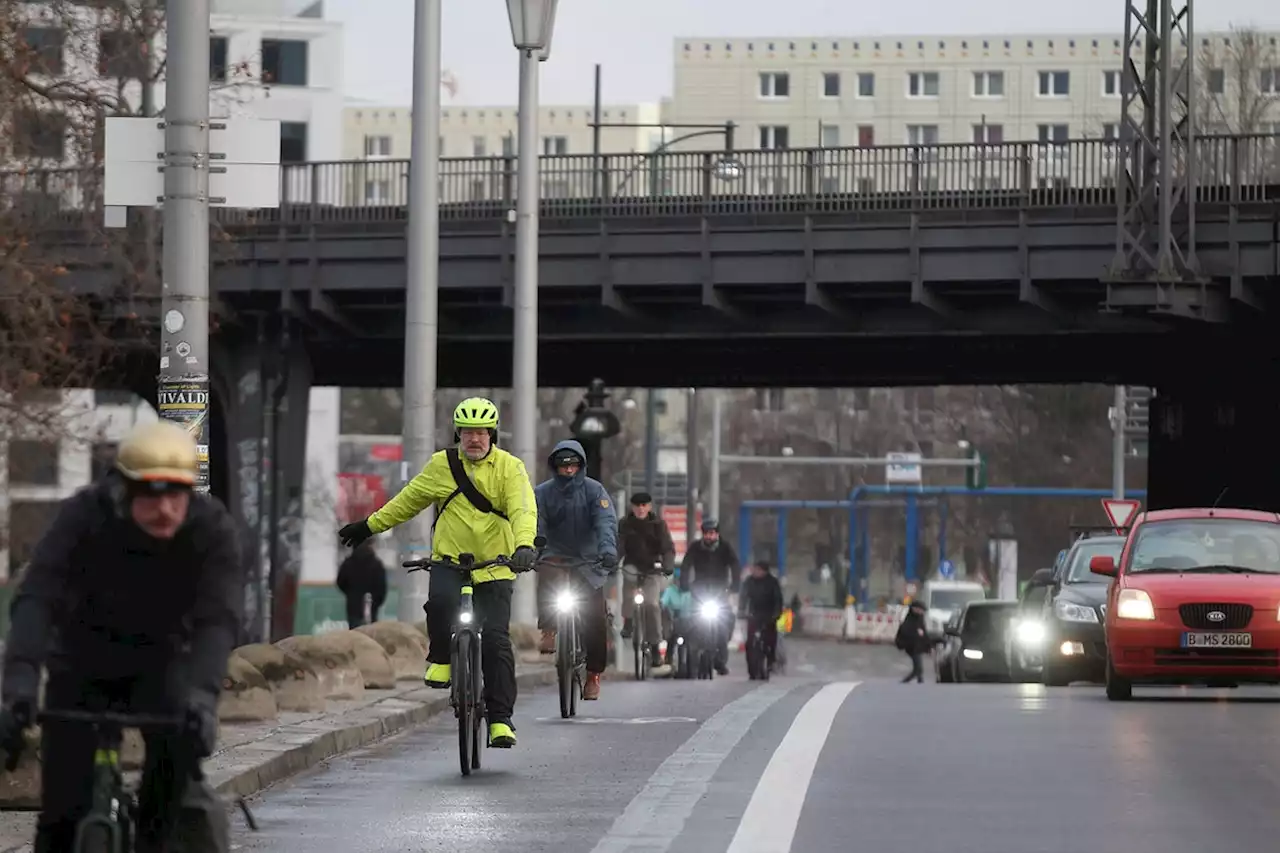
[183,383]
[422,294]
[1119,420]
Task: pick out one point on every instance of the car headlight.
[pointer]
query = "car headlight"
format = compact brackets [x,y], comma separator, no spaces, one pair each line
[1068,612]
[639,599]
[564,602]
[1134,604]
[973,654]
[465,618]
[1030,632]
[710,609]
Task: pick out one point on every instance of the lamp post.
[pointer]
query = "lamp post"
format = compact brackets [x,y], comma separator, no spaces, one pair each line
[592,424]
[532,22]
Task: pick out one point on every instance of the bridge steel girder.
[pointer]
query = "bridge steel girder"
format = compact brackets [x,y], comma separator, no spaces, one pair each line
[1156,267]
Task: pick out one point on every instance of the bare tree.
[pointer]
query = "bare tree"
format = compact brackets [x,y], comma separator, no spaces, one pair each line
[1239,93]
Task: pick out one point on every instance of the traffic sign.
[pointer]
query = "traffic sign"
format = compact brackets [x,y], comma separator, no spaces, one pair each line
[946,570]
[1119,512]
[902,468]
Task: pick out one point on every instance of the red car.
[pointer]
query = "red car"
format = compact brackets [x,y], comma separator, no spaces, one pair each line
[1196,600]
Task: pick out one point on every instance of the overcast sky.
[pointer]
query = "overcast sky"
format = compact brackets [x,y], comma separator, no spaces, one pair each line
[633,39]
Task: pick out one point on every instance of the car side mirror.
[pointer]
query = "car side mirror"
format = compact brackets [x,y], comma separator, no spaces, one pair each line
[952,631]
[1103,564]
[1042,577]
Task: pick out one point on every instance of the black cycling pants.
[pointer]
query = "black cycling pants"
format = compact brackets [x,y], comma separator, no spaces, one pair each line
[68,759]
[492,603]
[593,611]
[768,633]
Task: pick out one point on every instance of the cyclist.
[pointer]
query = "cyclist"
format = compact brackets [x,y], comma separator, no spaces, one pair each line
[761,602]
[645,541]
[577,518]
[86,608]
[485,508]
[710,570]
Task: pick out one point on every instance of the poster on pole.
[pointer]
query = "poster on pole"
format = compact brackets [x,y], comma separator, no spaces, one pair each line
[186,403]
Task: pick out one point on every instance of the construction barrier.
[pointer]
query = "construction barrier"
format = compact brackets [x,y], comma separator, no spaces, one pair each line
[818,621]
[879,627]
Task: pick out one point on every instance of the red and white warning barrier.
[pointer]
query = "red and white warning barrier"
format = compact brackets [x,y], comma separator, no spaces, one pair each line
[819,621]
[875,627]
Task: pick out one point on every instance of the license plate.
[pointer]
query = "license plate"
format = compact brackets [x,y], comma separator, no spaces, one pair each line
[1216,641]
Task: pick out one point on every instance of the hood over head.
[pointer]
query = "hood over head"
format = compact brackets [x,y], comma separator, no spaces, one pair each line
[574,446]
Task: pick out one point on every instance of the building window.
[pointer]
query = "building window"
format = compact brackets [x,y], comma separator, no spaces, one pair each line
[774,137]
[28,520]
[479,146]
[218,60]
[1216,82]
[377,147]
[377,191]
[45,45]
[1111,84]
[922,134]
[922,84]
[988,84]
[101,459]
[33,462]
[988,134]
[828,136]
[555,145]
[121,55]
[1111,131]
[830,84]
[1055,84]
[293,142]
[866,85]
[771,399]
[866,136]
[775,84]
[44,135]
[1052,134]
[1269,81]
[508,146]
[284,62]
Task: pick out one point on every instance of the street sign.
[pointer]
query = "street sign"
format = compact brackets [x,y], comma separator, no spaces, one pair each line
[902,468]
[946,570]
[1120,513]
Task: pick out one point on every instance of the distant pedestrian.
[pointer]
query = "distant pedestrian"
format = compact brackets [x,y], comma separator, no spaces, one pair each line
[914,641]
[362,574]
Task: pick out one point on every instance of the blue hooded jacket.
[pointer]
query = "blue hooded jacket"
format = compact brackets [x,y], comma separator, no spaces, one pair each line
[576,516]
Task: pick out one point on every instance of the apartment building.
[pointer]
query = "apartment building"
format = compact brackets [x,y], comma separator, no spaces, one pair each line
[384,133]
[896,90]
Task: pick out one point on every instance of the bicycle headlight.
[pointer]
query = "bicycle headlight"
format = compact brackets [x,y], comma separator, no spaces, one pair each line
[564,602]
[639,599]
[1030,632]
[710,609]
[465,618]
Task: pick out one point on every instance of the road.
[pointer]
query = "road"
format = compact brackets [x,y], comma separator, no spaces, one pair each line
[834,756]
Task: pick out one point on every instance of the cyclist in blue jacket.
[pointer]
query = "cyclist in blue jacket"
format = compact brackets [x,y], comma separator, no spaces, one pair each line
[577,518]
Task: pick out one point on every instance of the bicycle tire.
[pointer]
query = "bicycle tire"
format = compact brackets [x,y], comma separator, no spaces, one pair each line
[564,666]
[462,692]
[479,715]
[97,834]
[638,644]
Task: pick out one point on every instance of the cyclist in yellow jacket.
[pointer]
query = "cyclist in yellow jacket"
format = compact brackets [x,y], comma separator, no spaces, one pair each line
[490,514]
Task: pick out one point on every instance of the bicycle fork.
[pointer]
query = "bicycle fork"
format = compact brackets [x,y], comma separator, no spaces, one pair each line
[106,818]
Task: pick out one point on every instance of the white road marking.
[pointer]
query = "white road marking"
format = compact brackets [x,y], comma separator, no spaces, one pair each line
[656,816]
[770,821]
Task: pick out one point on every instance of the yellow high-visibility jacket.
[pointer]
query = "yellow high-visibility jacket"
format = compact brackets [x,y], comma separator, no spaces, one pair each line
[461,528]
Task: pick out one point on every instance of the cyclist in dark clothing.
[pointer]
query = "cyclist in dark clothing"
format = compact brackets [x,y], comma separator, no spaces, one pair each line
[761,602]
[132,600]
[644,542]
[362,574]
[710,571]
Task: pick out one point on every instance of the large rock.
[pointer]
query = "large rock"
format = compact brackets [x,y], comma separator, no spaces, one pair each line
[246,695]
[403,643]
[292,680]
[21,788]
[374,663]
[333,657]
[421,628]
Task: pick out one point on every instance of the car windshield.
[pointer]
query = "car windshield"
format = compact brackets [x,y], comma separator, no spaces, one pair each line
[1085,552]
[988,619]
[953,599]
[1207,544]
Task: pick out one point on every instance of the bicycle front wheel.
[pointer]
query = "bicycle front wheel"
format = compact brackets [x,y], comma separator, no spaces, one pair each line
[638,645]
[463,692]
[565,670]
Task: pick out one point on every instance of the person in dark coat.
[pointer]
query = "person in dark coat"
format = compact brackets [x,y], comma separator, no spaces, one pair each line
[644,544]
[710,571]
[362,574]
[913,639]
[761,600]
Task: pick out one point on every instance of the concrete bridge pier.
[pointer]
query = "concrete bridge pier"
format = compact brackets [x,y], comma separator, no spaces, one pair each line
[1215,431]
[260,391]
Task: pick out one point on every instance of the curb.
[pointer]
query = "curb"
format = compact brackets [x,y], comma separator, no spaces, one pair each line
[303,756]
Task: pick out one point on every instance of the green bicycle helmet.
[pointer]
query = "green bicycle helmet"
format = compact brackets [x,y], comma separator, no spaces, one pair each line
[475,413]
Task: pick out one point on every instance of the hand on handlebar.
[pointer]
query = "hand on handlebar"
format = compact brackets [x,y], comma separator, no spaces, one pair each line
[523,559]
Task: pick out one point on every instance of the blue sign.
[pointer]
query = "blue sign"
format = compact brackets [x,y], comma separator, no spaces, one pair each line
[947,569]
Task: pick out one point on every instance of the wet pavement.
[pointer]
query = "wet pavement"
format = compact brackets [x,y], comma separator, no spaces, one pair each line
[833,756]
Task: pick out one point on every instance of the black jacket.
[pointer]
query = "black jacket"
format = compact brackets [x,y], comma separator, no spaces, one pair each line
[709,569]
[645,541]
[761,597]
[912,637]
[102,600]
[363,574]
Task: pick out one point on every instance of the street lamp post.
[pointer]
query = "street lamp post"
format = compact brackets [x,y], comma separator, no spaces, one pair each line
[592,424]
[532,22]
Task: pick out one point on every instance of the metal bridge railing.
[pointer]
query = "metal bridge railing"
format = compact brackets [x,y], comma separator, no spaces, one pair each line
[1076,173]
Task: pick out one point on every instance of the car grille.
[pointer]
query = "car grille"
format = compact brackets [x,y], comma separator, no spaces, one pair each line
[1218,657]
[1197,616]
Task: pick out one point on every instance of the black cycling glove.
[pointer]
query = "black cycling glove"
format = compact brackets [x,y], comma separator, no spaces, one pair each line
[522,560]
[355,533]
[609,561]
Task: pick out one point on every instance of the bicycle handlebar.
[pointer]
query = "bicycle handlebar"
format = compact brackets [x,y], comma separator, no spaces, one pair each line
[427,564]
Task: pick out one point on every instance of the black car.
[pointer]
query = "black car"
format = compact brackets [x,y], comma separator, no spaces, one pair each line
[1075,645]
[975,646]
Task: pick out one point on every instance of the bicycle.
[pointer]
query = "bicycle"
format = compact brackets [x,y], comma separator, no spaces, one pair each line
[109,825]
[466,693]
[639,645]
[707,635]
[757,661]
[571,657]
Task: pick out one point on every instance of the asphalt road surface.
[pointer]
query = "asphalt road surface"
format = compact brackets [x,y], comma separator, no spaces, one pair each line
[833,756]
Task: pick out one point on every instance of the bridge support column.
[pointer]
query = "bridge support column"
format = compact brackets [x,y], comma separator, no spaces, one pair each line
[262,387]
[1214,441]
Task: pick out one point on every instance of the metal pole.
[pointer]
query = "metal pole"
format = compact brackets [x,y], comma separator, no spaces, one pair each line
[183,382]
[691,468]
[651,443]
[524,372]
[595,136]
[713,502]
[422,292]
[1117,444]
